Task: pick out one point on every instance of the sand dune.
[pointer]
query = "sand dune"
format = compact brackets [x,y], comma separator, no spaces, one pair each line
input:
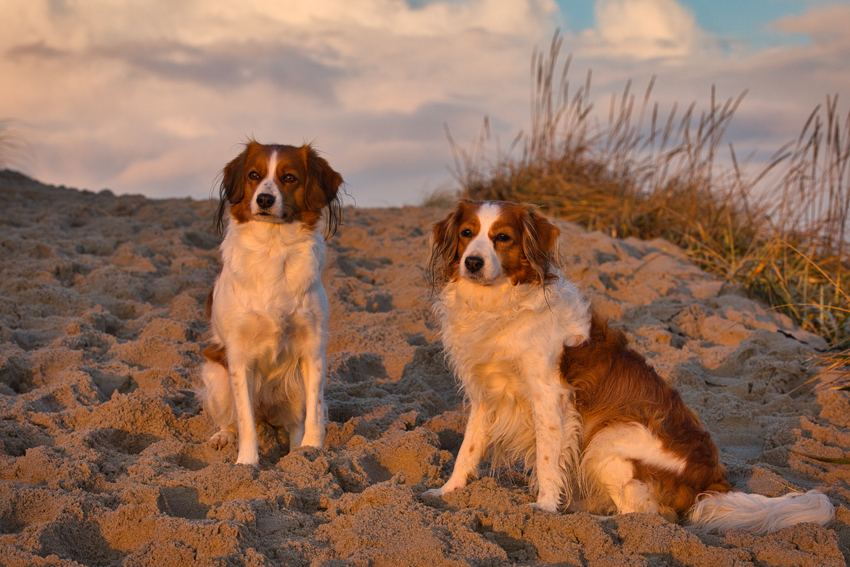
[103,454]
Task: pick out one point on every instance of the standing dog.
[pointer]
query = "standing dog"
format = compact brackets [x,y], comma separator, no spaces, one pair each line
[268,310]
[546,377]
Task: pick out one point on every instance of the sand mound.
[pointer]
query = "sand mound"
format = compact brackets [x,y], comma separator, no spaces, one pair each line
[103,454]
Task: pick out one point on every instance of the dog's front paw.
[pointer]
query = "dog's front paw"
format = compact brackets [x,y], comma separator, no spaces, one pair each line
[544,506]
[434,493]
[450,486]
[455,481]
[312,441]
[248,457]
[222,438]
[576,340]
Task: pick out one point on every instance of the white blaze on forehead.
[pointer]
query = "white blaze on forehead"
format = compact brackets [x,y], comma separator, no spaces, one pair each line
[269,187]
[268,182]
[487,215]
[481,245]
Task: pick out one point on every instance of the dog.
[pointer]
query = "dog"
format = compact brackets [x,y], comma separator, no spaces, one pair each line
[549,382]
[268,310]
[505,317]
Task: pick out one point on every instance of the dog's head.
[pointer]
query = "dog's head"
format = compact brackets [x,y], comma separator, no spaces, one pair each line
[279,184]
[488,242]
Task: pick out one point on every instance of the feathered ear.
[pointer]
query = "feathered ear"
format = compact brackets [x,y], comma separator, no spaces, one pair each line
[539,241]
[322,188]
[444,246]
[231,190]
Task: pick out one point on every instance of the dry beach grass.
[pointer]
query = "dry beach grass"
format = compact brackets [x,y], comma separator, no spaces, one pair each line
[103,454]
[780,230]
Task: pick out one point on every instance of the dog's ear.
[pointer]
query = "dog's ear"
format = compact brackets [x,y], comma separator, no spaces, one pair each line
[539,241]
[231,189]
[444,245]
[322,187]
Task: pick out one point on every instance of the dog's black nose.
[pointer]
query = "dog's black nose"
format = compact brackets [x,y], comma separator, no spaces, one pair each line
[265,200]
[473,263]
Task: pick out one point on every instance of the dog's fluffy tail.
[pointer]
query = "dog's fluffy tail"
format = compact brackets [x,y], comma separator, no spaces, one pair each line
[754,513]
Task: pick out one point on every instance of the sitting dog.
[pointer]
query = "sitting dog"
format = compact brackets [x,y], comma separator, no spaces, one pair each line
[268,310]
[550,382]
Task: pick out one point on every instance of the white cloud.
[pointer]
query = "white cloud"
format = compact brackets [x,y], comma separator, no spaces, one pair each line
[643,29]
[825,25]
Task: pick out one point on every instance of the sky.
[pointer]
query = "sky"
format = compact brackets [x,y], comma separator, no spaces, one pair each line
[155,96]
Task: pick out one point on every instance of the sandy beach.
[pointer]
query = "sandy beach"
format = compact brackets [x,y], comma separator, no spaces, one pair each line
[103,443]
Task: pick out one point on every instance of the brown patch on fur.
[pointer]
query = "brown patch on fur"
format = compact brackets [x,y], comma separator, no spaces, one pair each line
[528,256]
[316,185]
[444,262]
[614,384]
[216,354]
[233,191]
[213,353]
[321,188]
[208,304]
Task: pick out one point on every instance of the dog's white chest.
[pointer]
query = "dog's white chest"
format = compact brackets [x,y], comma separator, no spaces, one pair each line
[269,291]
[495,335]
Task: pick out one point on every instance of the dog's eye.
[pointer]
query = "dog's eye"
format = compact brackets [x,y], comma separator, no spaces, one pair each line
[254,175]
[289,178]
[502,237]
[466,233]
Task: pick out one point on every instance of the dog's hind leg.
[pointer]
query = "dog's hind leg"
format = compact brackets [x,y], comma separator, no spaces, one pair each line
[296,435]
[608,463]
[616,476]
[218,400]
[282,405]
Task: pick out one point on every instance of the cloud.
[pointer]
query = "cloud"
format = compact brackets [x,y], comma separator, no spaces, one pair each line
[155,96]
[230,66]
[643,29]
[36,50]
[825,25]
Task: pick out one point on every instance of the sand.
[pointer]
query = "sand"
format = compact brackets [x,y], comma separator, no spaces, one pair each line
[103,454]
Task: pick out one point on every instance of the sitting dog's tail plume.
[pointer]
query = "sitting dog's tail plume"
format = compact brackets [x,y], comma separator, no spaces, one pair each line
[754,513]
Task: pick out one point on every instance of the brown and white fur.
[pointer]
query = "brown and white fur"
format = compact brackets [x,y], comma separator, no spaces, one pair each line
[505,317]
[548,380]
[268,310]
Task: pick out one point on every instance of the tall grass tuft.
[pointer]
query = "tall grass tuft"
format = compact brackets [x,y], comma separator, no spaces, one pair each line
[778,229]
